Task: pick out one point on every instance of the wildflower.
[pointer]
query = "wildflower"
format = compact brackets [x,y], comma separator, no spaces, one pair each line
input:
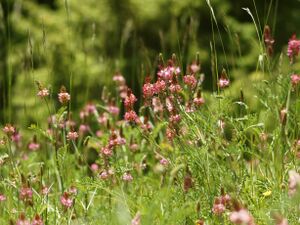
[241,216]
[134,147]
[72,135]
[44,92]
[63,97]
[194,68]
[159,86]
[45,190]
[22,220]
[269,41]
[295,79]
[175,88]
[119,79]
[131,116]
[127,177]
[170,133]
[199,101]
[294,182]
[9,129]
[137,219]
[106,151]
[33,146]
[190,80]
[169,104]
[94,167]
[157,105]
[218,208]
[37,220]
[223,82]
[2,198]
[83,129]
[104,175]
[175,118]
[130,99]
[293,48]
[73,190]
[66,201]
[26,193]
[114,110]
[164,161]
[103,119]
[148,89]
[16,137]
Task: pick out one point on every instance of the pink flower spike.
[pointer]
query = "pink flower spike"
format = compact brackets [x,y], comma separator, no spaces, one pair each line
[2,198]
[43,93]
[293,48]
[223,82]
[295,79]
[72,135]
[37,220]
[65,200]
[64,97]
[127,177]
[164,162]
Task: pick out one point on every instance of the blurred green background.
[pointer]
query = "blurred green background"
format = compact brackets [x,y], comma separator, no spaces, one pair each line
[81,44]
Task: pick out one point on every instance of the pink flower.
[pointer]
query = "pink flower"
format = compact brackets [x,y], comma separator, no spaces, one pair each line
[164,162]
[94,167]
[106,151]
[26,193]
[66,200]
[199,101]
[2,198]
[83,129]
[22,220]
[294,182]
[159,86]
[45,190]
[104,175]
[9,129]
[190,80]
[73,190]
[175,118]
[218,208]
[131,116]
[119,79]
[130,99]
[37,220]
[64,97]
[148,89]
[114,110]
[170,133]
[157,106]
[293,48]
[137,219]
[295,79]
[223,82]
[175,88]
[194,68]
[72,135]
[127,177]
[33,146]
[43,93]
[241,216]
